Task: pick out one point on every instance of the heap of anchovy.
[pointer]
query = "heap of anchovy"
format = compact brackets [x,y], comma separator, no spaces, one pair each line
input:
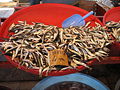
[30,44]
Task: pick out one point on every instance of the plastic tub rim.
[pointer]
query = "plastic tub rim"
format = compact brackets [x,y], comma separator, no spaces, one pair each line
[77,77]
[105,15]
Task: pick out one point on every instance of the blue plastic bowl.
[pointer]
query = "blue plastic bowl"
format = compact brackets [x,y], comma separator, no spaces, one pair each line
[76,77]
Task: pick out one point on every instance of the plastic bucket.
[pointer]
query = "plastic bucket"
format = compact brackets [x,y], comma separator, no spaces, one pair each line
[51,14]
[112,15]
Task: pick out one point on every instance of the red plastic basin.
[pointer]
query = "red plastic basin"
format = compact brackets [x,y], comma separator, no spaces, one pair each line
[112,15]
[51,14]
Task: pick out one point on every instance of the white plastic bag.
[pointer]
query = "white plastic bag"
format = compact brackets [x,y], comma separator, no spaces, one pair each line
[105,4]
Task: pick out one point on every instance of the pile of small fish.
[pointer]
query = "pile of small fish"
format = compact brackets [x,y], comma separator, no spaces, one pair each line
[30,44]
